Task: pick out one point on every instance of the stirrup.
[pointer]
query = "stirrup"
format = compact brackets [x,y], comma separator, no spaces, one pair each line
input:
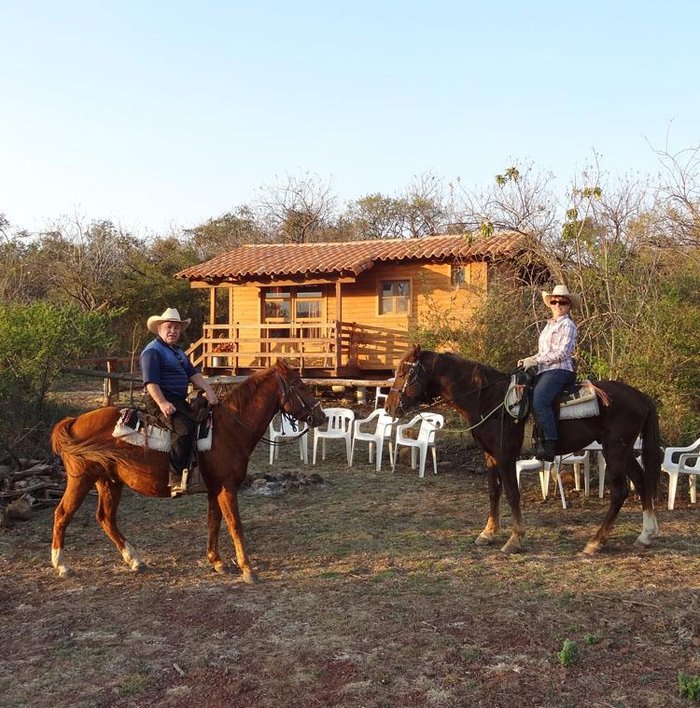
[180,487]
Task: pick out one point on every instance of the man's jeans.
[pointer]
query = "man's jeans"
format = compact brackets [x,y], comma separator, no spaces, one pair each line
[182,428]
[548,386]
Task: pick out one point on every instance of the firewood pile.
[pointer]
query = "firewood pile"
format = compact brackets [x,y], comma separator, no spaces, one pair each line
[28,485]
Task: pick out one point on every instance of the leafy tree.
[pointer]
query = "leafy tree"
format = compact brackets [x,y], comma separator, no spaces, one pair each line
[374,217]
[226,232]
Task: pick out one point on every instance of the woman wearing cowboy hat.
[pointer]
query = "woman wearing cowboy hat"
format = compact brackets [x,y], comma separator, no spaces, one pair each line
[167,373]
[555,369]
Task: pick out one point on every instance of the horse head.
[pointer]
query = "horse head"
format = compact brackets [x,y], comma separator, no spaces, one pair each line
[296,399]
[410,383]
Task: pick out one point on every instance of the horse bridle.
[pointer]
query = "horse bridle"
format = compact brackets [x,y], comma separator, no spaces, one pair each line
[411,376]
[287,393]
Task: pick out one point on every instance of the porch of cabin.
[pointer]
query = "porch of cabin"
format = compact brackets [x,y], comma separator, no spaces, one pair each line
[336,349]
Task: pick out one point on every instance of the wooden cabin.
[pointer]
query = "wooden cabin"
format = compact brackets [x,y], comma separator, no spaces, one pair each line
[339,309]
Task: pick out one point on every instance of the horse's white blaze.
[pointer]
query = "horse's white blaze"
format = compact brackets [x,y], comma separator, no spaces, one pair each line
[130,556]
[650,528]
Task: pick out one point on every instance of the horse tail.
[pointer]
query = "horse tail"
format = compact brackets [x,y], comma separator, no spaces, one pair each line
[651,450]
[81,456]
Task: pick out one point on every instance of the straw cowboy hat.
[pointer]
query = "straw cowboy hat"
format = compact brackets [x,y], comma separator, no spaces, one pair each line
[170,315]
[561,291]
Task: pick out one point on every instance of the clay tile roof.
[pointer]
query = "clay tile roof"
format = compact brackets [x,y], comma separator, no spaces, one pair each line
[350,258]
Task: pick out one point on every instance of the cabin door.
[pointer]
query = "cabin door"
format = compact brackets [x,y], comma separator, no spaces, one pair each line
[293,317]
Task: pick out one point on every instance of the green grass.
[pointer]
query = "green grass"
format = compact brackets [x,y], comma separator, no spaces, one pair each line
[569,653]
[689,686]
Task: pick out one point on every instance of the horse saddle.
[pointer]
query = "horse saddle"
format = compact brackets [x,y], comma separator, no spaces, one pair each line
[139,428]
[578,401]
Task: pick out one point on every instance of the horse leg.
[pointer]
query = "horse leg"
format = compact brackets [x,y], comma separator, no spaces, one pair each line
[110,494]
[77,487]
[493,524]
[650,526]
[616,464]
[228,503]
[213,527]
[510,482]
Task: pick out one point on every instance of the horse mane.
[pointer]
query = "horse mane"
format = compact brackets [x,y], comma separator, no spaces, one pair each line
[457,360]
[238,395]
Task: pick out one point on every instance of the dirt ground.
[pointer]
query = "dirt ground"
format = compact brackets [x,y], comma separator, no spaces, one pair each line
[371,593]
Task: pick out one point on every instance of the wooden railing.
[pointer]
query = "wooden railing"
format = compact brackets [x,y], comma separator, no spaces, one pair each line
[306,345]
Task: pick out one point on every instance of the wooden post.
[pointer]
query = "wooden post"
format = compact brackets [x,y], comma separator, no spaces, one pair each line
[338,325]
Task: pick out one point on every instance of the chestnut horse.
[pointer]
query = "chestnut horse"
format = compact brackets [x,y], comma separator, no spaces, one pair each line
[477,392]
[93,458]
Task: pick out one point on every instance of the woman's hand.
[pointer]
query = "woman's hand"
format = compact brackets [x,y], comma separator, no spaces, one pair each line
[528,362]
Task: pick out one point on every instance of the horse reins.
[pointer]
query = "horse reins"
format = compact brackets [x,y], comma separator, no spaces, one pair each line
[412,375]
[287,392]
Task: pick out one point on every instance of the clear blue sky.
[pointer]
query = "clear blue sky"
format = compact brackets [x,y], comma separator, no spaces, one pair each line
[163,114]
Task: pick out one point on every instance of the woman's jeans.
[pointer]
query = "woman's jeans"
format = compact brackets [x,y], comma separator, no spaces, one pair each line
[548,386]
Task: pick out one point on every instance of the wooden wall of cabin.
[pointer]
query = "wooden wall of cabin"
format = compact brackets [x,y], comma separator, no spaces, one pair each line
[378,341]
[372,341]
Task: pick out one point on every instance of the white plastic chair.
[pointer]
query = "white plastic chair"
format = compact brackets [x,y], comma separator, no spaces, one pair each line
[429,423]
[281,429]
[544,468]
[687,462]
[338,426]
[577,461]
[376,437]
[379,395]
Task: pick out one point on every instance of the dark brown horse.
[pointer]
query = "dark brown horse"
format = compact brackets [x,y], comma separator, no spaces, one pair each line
[93,458]
[477,391]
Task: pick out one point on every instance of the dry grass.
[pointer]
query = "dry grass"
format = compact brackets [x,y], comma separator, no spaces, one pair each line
[371,593]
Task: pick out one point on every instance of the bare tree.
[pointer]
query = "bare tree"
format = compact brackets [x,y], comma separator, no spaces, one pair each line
[296,209]
[680,194]
[520,199]
[423,204]
[83,262]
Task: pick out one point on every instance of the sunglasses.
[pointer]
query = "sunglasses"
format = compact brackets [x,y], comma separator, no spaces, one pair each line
[559,302]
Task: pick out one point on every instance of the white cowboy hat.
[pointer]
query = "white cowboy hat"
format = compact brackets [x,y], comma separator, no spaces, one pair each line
[170,315]
[561,291]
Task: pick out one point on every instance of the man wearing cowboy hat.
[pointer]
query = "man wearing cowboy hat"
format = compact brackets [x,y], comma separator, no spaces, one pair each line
[555,368]
[167,373]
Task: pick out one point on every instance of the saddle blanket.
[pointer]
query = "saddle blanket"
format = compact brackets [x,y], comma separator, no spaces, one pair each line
[580,403]
[133,428]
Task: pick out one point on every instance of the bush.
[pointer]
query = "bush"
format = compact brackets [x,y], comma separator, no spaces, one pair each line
[36,341]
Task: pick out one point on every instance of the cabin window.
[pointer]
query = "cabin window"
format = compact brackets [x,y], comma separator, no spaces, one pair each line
[394,297]
[278,305]
[308,304]
[459,275]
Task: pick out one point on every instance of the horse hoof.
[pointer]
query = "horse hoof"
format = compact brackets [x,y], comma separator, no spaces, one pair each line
[63,571]
[219,568]
[249,577]
[641,545]
[511,547]
[482,540]
[138,567]
[592,548]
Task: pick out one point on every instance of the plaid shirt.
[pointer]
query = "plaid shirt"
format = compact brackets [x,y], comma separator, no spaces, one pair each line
[556,344]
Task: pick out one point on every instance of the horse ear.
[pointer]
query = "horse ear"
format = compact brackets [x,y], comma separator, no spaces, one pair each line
[416,349]
[282,364]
